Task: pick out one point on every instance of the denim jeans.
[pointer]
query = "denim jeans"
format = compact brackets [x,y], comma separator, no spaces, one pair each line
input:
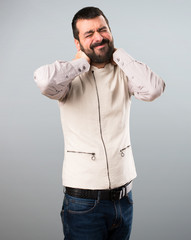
[88,219]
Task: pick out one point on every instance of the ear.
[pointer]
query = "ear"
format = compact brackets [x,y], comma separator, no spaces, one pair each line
[77,43]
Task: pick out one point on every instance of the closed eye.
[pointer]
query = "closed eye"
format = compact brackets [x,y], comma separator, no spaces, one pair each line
[89,35]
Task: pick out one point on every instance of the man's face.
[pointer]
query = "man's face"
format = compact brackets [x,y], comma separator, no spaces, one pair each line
[95,39]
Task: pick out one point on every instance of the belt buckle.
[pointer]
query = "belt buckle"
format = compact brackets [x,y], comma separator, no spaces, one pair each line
[115,195]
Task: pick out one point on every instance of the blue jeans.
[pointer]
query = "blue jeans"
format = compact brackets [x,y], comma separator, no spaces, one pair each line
[88,219]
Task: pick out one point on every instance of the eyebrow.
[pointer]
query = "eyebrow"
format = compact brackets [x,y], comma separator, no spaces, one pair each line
[88,32]
[102,28]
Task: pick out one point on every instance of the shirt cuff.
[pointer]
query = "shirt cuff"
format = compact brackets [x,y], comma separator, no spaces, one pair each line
[80,65]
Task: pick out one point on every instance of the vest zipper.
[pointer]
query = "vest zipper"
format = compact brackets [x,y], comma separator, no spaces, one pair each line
[122,151]
[93,154]
[101,131]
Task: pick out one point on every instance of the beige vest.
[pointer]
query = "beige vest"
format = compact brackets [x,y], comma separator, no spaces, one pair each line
[95,121]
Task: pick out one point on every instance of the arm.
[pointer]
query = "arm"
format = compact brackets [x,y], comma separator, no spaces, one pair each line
[54,79]
[143,83]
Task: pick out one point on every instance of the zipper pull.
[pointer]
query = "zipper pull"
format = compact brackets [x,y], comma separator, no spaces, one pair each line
[93,157]
[122,153]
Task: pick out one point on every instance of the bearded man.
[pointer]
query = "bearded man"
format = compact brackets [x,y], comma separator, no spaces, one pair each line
[94,93]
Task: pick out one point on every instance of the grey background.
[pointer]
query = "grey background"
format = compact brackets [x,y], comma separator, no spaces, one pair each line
[34,33]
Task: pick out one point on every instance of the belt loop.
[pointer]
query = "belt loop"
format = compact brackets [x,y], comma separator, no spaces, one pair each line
[121,194]
[98,196]
[125,190]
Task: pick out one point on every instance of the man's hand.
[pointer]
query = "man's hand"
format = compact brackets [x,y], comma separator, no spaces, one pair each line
[112,62]
[81,54]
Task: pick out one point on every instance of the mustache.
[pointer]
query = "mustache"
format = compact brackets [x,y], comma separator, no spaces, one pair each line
[92,46]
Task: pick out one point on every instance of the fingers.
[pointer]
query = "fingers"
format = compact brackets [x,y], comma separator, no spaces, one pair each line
[81,54]
[112,61]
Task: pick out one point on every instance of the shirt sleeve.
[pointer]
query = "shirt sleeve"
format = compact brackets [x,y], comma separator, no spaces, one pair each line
[143,83]
[54,79]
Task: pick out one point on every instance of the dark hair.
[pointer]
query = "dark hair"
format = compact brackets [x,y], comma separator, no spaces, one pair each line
[86,13]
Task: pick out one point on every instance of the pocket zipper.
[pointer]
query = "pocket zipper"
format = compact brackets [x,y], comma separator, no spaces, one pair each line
[122,151]
[93,154]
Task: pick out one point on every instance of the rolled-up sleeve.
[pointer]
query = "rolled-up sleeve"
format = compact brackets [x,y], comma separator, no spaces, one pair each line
[143,83]
[54,79]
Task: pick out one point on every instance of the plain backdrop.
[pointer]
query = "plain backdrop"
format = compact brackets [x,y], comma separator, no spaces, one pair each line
[34,33]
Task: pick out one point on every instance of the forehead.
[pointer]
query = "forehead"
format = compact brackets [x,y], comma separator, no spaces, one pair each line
[84,25]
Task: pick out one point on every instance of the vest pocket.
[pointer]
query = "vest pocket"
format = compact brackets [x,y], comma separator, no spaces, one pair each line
[122,151]
[92,154]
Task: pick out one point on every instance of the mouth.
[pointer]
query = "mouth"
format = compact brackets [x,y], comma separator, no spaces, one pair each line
[100,45]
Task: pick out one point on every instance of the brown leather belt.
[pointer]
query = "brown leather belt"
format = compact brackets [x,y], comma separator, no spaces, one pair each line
[113,194]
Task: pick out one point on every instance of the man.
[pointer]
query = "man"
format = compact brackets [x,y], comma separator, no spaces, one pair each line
[94,92]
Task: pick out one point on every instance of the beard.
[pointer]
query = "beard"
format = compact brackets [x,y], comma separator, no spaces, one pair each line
[105,53]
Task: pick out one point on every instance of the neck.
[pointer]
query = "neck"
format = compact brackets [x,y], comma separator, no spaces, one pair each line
[99,65]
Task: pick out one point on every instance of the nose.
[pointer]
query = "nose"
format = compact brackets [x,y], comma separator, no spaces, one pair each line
[97,37]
